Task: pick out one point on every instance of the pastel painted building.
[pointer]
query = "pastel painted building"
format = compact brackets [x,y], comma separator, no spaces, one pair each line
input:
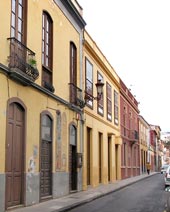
[40,115]
[144,129]
[129,124]
[102,141]
[155,132]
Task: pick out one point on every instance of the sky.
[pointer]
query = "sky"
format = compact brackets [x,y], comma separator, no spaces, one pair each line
[134,35]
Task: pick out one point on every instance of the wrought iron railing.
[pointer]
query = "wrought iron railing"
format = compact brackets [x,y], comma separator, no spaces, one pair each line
[22,59]
[76,96]
[133,135]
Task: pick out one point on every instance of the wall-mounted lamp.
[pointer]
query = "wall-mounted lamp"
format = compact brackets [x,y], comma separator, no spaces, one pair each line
[76,98]
[99,87]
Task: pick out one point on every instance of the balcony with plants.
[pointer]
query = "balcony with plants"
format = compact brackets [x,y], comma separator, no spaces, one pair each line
[22,63]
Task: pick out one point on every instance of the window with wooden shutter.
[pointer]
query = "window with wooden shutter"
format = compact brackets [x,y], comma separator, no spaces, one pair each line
[116,108]
[109,101]
[18,20]
[47,51]
[73,73]
[100,102]
[89,83]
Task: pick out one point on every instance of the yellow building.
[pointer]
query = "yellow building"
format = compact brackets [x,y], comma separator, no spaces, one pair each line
[40,80]
[144,139]
[102,152]
[155,136]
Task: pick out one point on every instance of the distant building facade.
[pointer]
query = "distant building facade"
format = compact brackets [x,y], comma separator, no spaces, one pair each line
[129,125]
[154,152]
[144,129]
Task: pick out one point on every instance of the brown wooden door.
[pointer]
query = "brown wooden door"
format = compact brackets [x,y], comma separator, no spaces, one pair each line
[88,155]
[73,158]
[100,157]
[73,168]
[46,158]
[15,156]
[109,158]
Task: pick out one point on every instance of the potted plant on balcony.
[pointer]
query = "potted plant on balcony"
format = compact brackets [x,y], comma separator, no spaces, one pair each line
[32,68]
[32,62]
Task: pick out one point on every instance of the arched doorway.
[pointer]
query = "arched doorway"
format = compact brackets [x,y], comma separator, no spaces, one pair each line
[14,166]
[46,157]
[73,158]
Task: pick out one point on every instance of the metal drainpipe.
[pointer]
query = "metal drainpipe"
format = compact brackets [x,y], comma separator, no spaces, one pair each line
[82,117]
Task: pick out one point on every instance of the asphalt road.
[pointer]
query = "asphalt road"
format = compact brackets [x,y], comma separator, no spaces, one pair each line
[147,195]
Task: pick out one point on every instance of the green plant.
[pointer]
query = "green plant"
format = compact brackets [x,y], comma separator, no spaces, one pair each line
[32,62]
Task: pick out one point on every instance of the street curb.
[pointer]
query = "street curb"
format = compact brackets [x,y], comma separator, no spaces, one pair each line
[82,202]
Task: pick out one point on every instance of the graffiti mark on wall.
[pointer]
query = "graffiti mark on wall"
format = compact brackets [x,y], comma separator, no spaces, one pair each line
[32,160]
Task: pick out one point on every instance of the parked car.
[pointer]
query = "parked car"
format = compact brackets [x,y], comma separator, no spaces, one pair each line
[164,168]
[167,177]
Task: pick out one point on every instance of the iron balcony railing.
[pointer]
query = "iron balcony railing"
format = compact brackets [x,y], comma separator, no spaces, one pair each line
[133,135]
[22,59]
[76,96]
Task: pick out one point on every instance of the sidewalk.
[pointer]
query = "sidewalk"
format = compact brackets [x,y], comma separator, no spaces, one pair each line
[78,198]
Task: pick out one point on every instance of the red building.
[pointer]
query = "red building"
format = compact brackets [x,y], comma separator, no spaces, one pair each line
[129,124]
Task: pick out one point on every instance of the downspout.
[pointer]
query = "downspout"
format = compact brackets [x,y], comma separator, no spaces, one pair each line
[82,112]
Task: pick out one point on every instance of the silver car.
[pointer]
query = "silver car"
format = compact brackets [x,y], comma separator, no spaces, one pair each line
[167,177]
[164,168]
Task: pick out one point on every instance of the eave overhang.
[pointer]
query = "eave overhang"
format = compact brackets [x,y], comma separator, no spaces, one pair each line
[74,13]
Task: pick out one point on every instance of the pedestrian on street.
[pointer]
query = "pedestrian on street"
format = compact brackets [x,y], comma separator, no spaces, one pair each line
[148,167]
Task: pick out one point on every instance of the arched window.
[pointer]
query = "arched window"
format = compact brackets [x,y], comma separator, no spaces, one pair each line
[73,63]
[47,51]
[46,131]
[73,135]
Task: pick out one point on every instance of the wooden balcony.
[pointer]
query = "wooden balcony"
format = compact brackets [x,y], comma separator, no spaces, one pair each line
[133,135]
[76,96]
[22,63]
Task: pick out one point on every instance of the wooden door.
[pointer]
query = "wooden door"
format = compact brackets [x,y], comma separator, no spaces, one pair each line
[15,156]
[100,157]
[109,158]
[46,158]
[73,168]
[73,158]
[88,155]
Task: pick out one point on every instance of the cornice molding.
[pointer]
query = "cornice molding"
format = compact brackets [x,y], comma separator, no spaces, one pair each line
[91,51]
[74,13]
[128,99]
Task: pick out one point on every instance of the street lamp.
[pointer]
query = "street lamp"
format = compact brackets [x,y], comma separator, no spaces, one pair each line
[99,87]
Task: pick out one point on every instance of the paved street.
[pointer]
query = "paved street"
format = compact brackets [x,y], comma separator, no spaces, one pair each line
[76,199]
[147,195]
